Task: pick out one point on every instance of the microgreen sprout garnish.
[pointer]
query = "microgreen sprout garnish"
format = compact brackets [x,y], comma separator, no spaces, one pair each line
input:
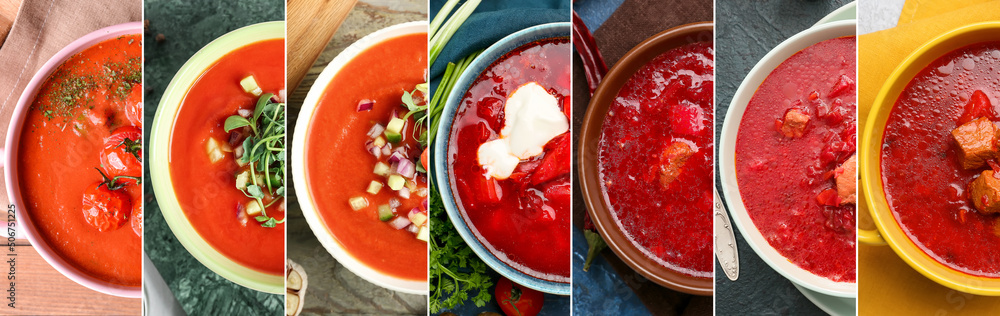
[417,108]
[263,151]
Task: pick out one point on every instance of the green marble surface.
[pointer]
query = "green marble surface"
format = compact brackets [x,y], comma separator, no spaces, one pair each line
[334,290]
[187,26]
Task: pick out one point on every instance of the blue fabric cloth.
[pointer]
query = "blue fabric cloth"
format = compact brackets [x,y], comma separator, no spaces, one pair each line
[492,21]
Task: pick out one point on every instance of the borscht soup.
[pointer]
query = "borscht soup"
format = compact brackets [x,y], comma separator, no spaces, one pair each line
[796,162]
[509,158]
[939,160]
[227,156]
[365,157]
[655,159]
[79,161]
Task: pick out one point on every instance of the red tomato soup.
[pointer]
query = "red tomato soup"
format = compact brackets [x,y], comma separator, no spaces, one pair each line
[61,147]
[207,190]
[656,159]
[796,139]
[523,219]
[339,164]
[926,184]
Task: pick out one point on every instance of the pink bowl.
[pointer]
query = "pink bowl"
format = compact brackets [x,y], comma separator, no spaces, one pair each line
[24,223]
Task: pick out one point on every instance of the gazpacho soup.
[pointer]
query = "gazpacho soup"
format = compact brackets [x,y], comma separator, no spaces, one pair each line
[227,156]
[80,161]
[655,159]
[944,121]
[366,158]
[795,158]
[509,158]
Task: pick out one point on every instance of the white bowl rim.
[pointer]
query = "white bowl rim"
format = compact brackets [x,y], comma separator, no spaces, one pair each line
[302,192]
[10,160]
[726,162]
[158,152]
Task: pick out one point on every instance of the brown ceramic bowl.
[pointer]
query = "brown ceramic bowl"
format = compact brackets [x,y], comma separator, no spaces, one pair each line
[590,135]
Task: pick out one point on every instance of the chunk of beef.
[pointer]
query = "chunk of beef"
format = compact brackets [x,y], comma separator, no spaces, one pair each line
[847,181]
[985,193]
[794,123]
[672,160]
[977,142]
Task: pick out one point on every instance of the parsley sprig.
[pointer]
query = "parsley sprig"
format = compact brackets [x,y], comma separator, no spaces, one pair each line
[455,271]
[264,151]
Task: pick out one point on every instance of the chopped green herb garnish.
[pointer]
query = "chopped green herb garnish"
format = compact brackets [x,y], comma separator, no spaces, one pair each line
[264,151]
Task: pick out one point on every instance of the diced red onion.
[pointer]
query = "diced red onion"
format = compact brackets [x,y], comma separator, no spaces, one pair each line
[371,148]
[414,211]
[399,222]
[404,193]
[365,105]
[280,97]
[245,113]
[238,152]
[394,203]
[412,228]
[406,168]
[396,157]
[376,130]
[385,149]
[425,205]
[402,151]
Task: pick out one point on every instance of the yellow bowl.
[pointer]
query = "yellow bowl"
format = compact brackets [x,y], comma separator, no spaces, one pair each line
[889,232]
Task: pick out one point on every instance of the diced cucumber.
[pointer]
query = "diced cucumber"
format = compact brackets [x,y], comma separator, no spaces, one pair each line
[418,218]
[242,180]
[396,182]
[252,208]
[411,185]
[384,213]
[379,142]
[374,187]
[358,202]
[394,130]
[214,150]
[381,169]
[423,233]
[250,85]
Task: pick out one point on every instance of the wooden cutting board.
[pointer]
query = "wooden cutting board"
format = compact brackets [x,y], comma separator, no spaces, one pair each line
[311,24]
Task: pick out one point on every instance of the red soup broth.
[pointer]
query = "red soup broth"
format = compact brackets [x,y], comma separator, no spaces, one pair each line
[207,191]
[781,177]
[76,109]
[925,185]
[668,100]
[339,167]
[527,226]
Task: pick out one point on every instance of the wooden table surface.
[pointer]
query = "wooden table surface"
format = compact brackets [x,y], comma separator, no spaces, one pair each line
[40,289]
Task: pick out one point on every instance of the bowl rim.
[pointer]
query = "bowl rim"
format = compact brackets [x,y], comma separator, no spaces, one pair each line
[726,163]
[593,195]
[870,166]
[440,150]
[13,140]
[302,191]
[161,132]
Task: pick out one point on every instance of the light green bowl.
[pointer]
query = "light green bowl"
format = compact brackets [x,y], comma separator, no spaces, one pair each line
[159,157]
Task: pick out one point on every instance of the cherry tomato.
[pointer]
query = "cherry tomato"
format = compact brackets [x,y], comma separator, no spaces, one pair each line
[133,110]
[137,218]
[516,300]
[106,208]
[425,158]
[122,153]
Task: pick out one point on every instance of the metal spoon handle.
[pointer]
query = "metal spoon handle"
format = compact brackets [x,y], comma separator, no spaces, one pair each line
[725,240]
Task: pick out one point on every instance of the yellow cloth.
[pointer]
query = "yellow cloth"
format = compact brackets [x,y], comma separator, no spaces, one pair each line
[921,20]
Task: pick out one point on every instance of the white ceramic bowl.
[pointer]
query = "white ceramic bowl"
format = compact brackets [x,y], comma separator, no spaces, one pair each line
[159,157]
[306,202]
[727,164]
[24,222]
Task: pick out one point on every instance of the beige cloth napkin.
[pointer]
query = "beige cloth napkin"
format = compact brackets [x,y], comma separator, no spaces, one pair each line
[41,29]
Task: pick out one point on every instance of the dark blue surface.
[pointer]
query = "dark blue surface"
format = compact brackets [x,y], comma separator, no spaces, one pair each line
[601,290]
[492,21]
